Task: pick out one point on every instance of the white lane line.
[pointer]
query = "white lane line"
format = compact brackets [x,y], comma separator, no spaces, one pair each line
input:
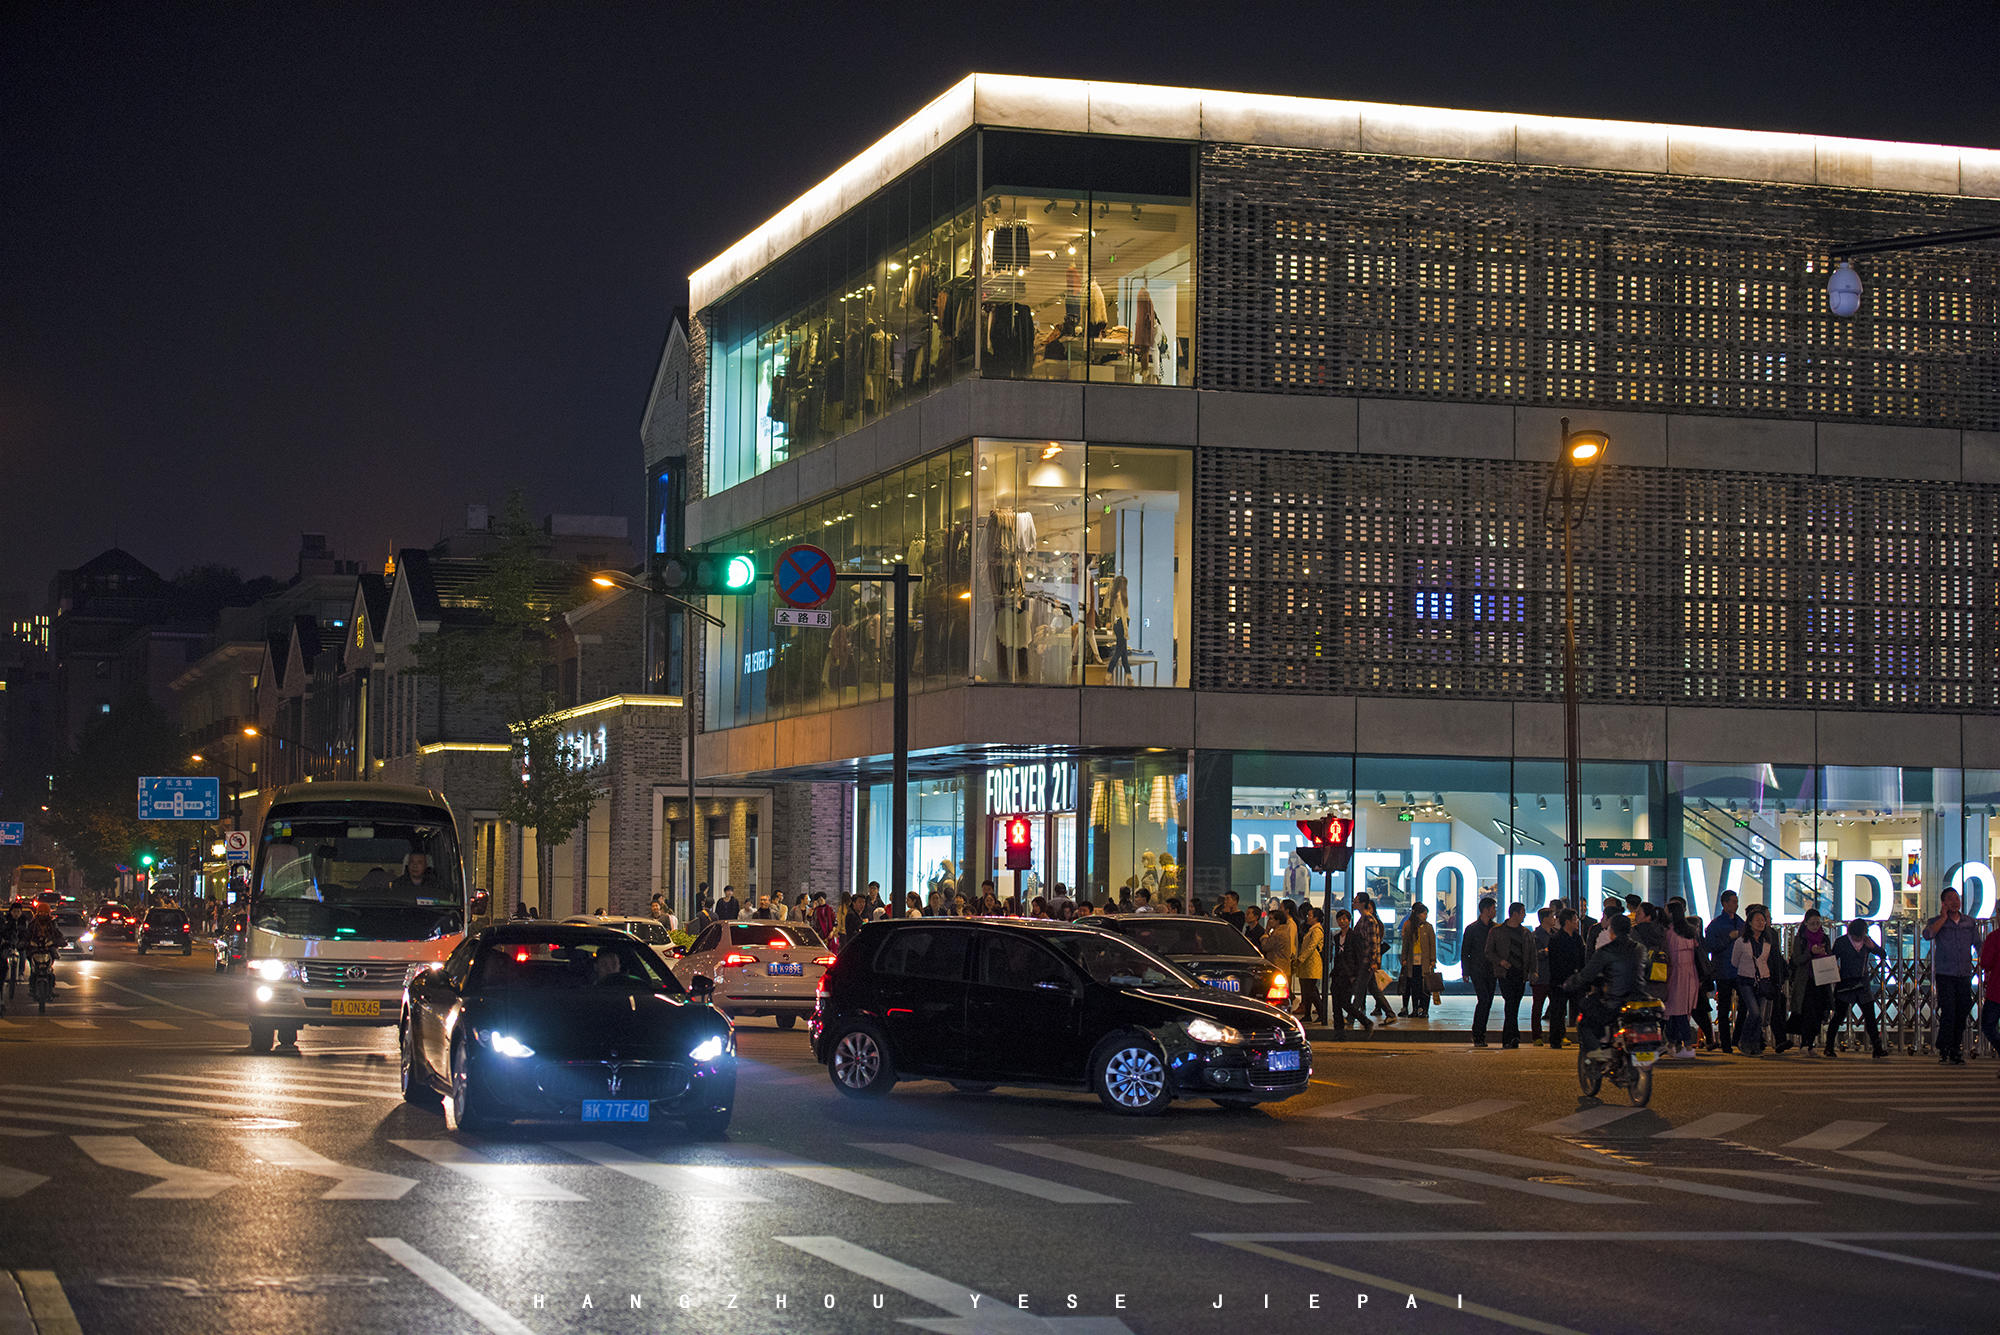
[235,1026]
[1041,1188]
[839,1179]
[1587,1120]
[1297,1172]
[251,1084]
[213,1103]
[1552,1191]
[1141,1172]
[122,1110]
[1618,1177]
[77,1024]
[155,1024]
[18,1182]
[510,1180]
[1466,1112]
[66,1118]
[1939,1110]
[24,1133]
[1350,1107]
[1889,1160]
[177,1182]
[976,1310]
[1989,1185]
[1923,1261]
[251,1096]
[350,1183]
[1540,1237]
[1976,1119]
[1820,1182]
[497,1319]
[1835,1136]
[48,1306]
[1712,1127]
[707,1184]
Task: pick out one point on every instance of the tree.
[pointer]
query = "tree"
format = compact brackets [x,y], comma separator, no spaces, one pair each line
[94,808]
[555,796]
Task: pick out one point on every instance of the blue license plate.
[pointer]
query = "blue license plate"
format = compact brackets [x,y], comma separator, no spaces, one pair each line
[1226,984]
[617,1110]
[1281,1061]
[775,969]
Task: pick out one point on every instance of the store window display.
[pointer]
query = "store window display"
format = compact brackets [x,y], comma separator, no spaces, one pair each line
[1137,826]
[1027,556]
[1139,560]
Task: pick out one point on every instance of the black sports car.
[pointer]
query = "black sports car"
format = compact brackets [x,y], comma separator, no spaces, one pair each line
[575,1024]
[1208,948]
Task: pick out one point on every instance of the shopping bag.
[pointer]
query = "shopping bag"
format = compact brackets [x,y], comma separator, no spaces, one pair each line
[1384,979]
[1826,969]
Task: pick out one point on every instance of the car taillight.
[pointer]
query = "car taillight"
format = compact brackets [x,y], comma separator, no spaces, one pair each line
[1281,990]
[778,943]
[824,961]
[736,959]
[521,956]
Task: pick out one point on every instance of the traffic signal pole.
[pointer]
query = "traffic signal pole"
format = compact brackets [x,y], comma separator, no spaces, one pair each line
[899,580]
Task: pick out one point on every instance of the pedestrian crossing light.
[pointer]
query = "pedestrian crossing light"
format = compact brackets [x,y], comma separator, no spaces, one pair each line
[1326,844]
[703,573]
[1020,844]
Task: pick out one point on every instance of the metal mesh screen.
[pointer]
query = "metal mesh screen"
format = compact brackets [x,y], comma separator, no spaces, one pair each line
[1340,273]
[1377,575]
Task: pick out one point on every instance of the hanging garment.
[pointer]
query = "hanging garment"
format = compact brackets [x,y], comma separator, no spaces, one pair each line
[1010,340]
[1145,326]
[1007,247]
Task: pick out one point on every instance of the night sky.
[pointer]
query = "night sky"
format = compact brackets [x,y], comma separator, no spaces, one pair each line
[275,268]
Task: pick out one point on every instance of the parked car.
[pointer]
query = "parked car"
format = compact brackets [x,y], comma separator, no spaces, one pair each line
[1208,948]
[759,967]
[992,1001]
[167,927]
[559,1022]
[650,930]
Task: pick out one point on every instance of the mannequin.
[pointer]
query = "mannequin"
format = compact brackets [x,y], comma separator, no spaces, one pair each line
[1298,880]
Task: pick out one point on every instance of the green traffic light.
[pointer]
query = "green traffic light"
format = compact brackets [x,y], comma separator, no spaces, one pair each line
[145,859]
[739,573]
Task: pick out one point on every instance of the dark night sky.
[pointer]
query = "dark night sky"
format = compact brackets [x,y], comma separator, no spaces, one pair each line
[267,269]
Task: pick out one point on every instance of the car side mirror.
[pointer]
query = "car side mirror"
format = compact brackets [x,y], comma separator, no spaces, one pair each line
[702,988]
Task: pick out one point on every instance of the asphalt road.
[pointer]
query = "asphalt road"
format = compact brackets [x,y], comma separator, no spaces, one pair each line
[154,1176]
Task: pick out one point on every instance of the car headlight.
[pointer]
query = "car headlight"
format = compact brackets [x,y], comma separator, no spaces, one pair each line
[87,938]
[1208,1031]
[508,1046]
[271,969]
[709,1048]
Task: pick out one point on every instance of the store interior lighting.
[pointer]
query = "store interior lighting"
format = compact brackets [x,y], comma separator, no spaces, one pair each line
[1541,804]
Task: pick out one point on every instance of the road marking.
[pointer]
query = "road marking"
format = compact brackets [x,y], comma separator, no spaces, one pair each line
[1898,1256]
[1618,1177]
[972,1312]
[247,1096]
[1159,1177]
[157,1001]
[1041,1188]
[1538,1238]
[840,1179]
[178,1182]
[1821,1182]
[1976,1119]
[1587,1120]
[234,1026]
[1373,1186]
[1712,1127]
[352,1184]
[48,1305]
[1907,1178]
[511,1180]
[1446,1301]
[314,1084]
[451,1288]
[1835,1136]
[122,1111]
[1350,1107]
[24,1133]
[77,1024]
[1466,1112]
[215,1103]
[1548,1189]
[1937,1109]
[155,1024]
[708,1184]
[66,1118]
[1889,1160]
[18,1182]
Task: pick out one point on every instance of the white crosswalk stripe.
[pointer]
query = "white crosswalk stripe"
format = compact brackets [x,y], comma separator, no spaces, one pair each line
[1587,1120]
[177,1182]
[699,1182]
[513,1181]
[1061,1193]
[1297,1172]
[839,1179]
[1551,1190]
[66,1117]
[1466,1112]
[249,1095]
[213,1103]
[254,1084]
[1712,1127]
[1619,1177]
[1818,1181]
[155,1024]
[122,1109]
[1144,1172]
[77,1024]
[1889,1159]
[1835,1136]
[350,1184]
[18,1182]
[1352,1107]
[25,1132]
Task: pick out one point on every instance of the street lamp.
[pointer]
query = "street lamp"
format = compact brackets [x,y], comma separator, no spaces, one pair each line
[1569,487]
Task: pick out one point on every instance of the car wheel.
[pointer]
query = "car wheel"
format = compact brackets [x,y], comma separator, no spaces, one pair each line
[972,1086]
[1131,1075]
[860,1064]
[261,1036]
[288,1038]
[787,1021]
[466,1112]
[1236,1105]
[416,1081]
[712,1124]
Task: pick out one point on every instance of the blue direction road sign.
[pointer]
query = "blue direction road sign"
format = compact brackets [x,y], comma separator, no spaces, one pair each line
[177,797]
[804,576]
[13,832]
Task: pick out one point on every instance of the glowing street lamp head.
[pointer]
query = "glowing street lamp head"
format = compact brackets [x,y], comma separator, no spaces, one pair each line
[1586,447]
[249,731]
[603,583]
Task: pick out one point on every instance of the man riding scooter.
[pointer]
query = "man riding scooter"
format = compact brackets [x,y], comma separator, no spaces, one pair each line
[1613,975]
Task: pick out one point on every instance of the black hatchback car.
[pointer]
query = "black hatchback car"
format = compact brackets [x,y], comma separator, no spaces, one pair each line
[573,1024]
[982,1002]
[168,927]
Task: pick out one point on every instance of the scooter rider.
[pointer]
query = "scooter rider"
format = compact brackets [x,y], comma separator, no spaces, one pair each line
[1615,974]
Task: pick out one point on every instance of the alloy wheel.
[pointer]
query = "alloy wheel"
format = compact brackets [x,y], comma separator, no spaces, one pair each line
[857,1060]
[1134,1077]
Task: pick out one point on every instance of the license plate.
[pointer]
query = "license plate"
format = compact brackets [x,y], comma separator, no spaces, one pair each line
[617,1110]
[372,1009]
[1281,1061]
[777,969]
[1225,984]
[1644,1058]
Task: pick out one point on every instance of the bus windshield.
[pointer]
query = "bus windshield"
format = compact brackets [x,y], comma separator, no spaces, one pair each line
[367,876]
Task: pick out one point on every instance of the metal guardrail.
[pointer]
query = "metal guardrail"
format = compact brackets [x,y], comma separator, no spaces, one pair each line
[1906,1001]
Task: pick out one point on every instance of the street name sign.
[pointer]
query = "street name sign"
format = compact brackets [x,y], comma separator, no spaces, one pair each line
[1625,852]
[180,797]
[13,832]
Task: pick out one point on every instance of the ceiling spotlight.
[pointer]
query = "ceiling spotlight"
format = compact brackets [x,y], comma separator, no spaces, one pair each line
[1626,804]
[1049,207]
[1104,210]
[1597,804]
[1381,799]
[993,207]
[1541,804]
[1135,213]
[1409,799]
[1437,799]
[1076,209]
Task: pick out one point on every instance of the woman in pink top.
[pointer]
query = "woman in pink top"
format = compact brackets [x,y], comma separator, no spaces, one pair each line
[1684,978]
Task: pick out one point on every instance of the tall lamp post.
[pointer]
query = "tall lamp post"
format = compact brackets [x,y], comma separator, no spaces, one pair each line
[1569,488]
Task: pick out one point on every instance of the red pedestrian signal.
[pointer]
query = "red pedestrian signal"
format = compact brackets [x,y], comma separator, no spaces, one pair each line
[1020,843]
[1328,843]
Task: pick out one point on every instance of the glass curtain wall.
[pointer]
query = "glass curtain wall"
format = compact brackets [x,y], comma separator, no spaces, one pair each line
[936,834]
[1136,835]
[1087,259]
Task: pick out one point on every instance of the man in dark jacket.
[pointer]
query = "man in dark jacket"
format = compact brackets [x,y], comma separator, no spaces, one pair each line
[1511,953]
[1856,986]
[1472,955]
[1611,977]
[1720,937]
[1565,958]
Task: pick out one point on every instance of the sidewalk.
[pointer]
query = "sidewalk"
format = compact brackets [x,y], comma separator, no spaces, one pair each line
[1450,1022]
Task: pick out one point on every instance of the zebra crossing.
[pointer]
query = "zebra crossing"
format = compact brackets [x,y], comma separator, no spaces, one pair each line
[23,1021]
[103,1103]
[1907,1087]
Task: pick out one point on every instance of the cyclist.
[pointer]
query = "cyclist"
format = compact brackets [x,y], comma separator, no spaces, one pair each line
[13,942]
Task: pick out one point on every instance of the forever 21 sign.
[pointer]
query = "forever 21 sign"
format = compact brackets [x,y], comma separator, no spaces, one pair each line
[1031,789]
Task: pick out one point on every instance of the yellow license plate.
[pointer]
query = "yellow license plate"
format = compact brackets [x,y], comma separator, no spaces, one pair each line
[372,1009]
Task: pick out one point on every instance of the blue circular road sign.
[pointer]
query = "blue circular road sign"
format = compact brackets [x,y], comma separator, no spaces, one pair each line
[804,576]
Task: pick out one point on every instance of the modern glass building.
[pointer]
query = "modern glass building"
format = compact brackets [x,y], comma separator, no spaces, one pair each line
[1218,428]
